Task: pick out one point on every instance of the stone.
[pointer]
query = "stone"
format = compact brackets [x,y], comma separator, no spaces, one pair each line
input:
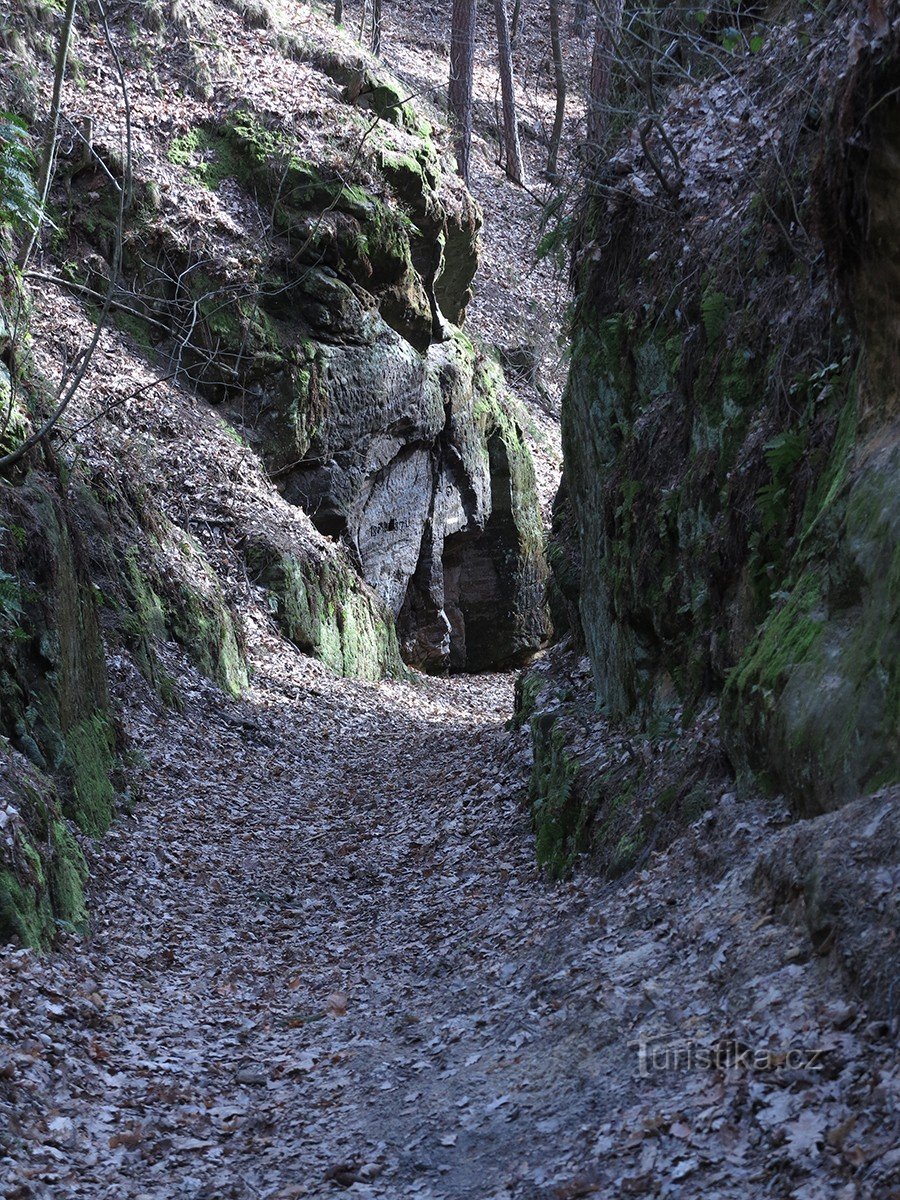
[340,361]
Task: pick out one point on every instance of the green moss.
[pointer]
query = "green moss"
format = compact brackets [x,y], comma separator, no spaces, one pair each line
[715,310]
[202,622]
[24,911]
[558,815]
[90,757]
[192,613]
[821,499]
[528,688]
[787,638]
[42,869]
[136,327]
[207,155]
[326,612]
[67,876]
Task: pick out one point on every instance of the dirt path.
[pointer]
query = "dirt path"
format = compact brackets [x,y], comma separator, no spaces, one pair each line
[309,952]
[322,959]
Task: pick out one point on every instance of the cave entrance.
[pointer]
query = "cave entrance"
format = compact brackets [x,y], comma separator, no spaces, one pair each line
[480,568]
[472,600]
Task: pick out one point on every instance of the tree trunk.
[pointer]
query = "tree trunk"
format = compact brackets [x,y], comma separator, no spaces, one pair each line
[338,12]
[606,34]
[560,76]
[514,168]
[579,18]
[459,93]
[376,27]
[514,22]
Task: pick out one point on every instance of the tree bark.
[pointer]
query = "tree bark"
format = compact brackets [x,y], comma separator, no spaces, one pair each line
[459,93]
[560,76]
[579,18]
[606,31]
[514,169]
[376,27]
[514,21]
[338,12]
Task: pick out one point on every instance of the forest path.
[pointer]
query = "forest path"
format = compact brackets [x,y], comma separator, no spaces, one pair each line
[321,956]
[323,960]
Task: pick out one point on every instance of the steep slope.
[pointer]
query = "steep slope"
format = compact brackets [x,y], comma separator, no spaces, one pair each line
[302,273]
[727,537]
[304,268]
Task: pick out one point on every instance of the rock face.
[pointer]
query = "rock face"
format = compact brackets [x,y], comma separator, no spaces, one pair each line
[332,344]
[730,525]
[57,740]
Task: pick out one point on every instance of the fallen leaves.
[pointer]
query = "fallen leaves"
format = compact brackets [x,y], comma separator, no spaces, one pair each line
[337,1005]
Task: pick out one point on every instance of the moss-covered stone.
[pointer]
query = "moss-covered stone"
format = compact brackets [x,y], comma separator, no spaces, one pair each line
[324,609]
[812,706]
[559,813]
[42,868]
[89,762]
[186,605]
[729,436]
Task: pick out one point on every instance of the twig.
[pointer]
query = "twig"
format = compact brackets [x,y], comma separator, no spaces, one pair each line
[84,360]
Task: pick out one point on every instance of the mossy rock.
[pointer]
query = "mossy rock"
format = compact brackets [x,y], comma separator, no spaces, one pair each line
[53,692]
[325,610]
[814,705]
[184,604]
[42,868]
[559,815]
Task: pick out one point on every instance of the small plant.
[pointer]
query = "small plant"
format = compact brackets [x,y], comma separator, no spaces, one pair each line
[11,609]
[783,453]
[19,202]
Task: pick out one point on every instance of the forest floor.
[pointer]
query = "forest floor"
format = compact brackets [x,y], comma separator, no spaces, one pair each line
[322,959]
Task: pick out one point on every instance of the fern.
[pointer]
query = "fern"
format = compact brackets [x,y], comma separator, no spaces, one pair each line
[715,310]
[782,455]
[19,202]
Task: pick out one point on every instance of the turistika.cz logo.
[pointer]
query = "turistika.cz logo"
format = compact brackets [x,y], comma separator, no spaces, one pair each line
[725,1054]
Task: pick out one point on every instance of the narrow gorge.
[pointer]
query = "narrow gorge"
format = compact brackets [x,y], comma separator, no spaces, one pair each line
[392,804]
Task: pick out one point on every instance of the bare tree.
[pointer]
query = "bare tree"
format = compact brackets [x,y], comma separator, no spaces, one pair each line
[73,377]
[462,63]
[608,22]
[514,22]
[514,168]
[376,26]
[560,77]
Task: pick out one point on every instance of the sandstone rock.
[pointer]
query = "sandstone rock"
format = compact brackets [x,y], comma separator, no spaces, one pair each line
[333,350]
